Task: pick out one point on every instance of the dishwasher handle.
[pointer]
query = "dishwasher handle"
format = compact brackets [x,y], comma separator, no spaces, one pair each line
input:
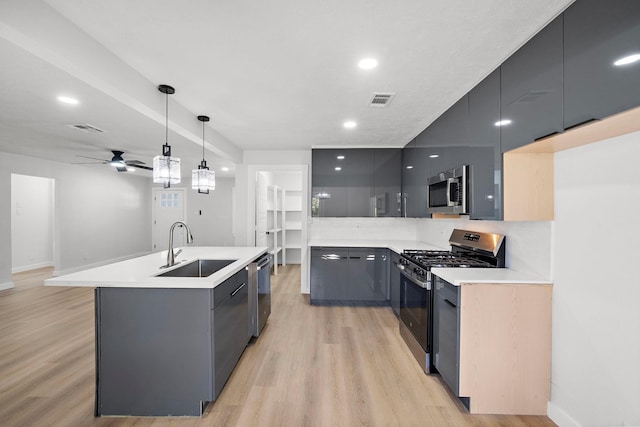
[263,262]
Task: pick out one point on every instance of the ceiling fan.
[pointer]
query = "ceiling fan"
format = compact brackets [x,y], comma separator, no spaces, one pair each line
[117,162]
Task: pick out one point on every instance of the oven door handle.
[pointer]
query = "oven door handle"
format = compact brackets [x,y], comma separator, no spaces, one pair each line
[423,284]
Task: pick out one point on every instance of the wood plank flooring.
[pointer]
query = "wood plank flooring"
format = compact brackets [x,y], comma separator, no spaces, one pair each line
[312,366]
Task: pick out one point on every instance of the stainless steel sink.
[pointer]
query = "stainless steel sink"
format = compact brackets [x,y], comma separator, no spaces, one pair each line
[198,268]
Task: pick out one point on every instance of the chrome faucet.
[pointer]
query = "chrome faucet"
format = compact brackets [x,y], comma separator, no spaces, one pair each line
[171,257]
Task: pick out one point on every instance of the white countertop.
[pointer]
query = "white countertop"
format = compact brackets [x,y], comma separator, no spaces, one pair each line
[461,276]
[141,272]
[395,245]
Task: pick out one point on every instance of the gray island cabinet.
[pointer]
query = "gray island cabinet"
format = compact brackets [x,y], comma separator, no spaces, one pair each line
[162,352]
[165,346]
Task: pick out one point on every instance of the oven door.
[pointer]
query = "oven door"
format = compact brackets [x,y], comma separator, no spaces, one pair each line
[415,309]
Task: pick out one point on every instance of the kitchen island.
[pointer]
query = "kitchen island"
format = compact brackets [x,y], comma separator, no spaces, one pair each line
[165,346]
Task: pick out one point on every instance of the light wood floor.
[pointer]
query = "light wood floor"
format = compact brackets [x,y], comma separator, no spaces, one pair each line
[312,366]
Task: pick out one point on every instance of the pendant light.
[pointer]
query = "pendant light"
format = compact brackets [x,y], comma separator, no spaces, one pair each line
[166,169]
[203,179]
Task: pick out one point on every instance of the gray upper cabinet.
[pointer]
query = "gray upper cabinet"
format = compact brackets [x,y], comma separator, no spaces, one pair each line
[415,171]
[329,186]
[356,182]
[597,34]
[532,89]
[387,181]
[359,175]
[484,149]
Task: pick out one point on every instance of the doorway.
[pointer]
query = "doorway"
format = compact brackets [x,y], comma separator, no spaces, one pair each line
[169,206]
[32,222]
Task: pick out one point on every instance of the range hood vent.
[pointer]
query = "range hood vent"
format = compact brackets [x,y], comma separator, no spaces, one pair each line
[381,99]
[88,128]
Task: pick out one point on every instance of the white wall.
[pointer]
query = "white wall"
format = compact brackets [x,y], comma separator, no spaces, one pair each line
[31,222]
[100,215]
[596,292]
[363,228]
[210,216]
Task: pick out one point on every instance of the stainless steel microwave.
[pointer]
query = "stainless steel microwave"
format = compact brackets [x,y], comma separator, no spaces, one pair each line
[447,192]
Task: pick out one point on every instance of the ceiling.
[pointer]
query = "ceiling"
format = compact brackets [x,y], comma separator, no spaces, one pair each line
[277,75]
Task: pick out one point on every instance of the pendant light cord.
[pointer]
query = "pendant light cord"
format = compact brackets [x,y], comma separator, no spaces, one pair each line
[166,118]
[203,141]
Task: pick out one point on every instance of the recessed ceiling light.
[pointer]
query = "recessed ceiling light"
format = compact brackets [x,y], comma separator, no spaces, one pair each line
[504,122]
[434,156]
[68,100]
[630,59]
[409,167]
[368,63]
[338,168]
[225,169]
[350,124]
[340,157]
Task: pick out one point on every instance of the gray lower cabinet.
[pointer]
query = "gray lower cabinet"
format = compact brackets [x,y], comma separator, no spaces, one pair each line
[446,334]
[394,283]
[596,34]
[230,317]
[532,88]
[329,274]
[352,276]
[167,352]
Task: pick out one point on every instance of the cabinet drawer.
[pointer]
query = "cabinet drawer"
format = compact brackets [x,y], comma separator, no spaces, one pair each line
[226,288]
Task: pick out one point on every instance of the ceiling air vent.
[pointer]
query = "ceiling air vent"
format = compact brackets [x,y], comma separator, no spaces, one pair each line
[88,128]
[381,99]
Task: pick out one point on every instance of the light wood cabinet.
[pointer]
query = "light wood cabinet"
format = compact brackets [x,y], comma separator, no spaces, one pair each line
[505,348]
[528,170]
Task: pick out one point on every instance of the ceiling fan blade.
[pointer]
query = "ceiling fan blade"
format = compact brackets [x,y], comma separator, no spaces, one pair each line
[134,162]
[121,168]
[93,158]
[88,163]
[143,167]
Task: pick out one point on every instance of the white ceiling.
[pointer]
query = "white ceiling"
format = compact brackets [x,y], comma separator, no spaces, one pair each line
[276,75]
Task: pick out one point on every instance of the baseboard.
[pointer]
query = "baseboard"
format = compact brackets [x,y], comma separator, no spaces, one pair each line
[98,264]
[32,267]
[560,417]
[7,285]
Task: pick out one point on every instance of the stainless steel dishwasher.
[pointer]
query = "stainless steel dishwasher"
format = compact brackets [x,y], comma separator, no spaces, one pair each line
[259,294]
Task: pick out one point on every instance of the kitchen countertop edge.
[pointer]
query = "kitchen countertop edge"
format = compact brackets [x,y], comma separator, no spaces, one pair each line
[465,276]
[142,272]
[395,245]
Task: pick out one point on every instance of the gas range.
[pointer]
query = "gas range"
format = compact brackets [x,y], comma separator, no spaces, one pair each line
[431,259]
[469,249]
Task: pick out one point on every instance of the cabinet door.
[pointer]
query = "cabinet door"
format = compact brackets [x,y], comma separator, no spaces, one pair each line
[329,186]
[415,171]
[596,34]
[329,274]
[387,181]
[532,89]
[230,326]
[362,267]
[446,331]
[485,157]
[394,283]
[359,176]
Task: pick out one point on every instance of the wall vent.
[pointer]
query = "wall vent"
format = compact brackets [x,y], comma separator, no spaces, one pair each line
[381,99]
[88,128]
